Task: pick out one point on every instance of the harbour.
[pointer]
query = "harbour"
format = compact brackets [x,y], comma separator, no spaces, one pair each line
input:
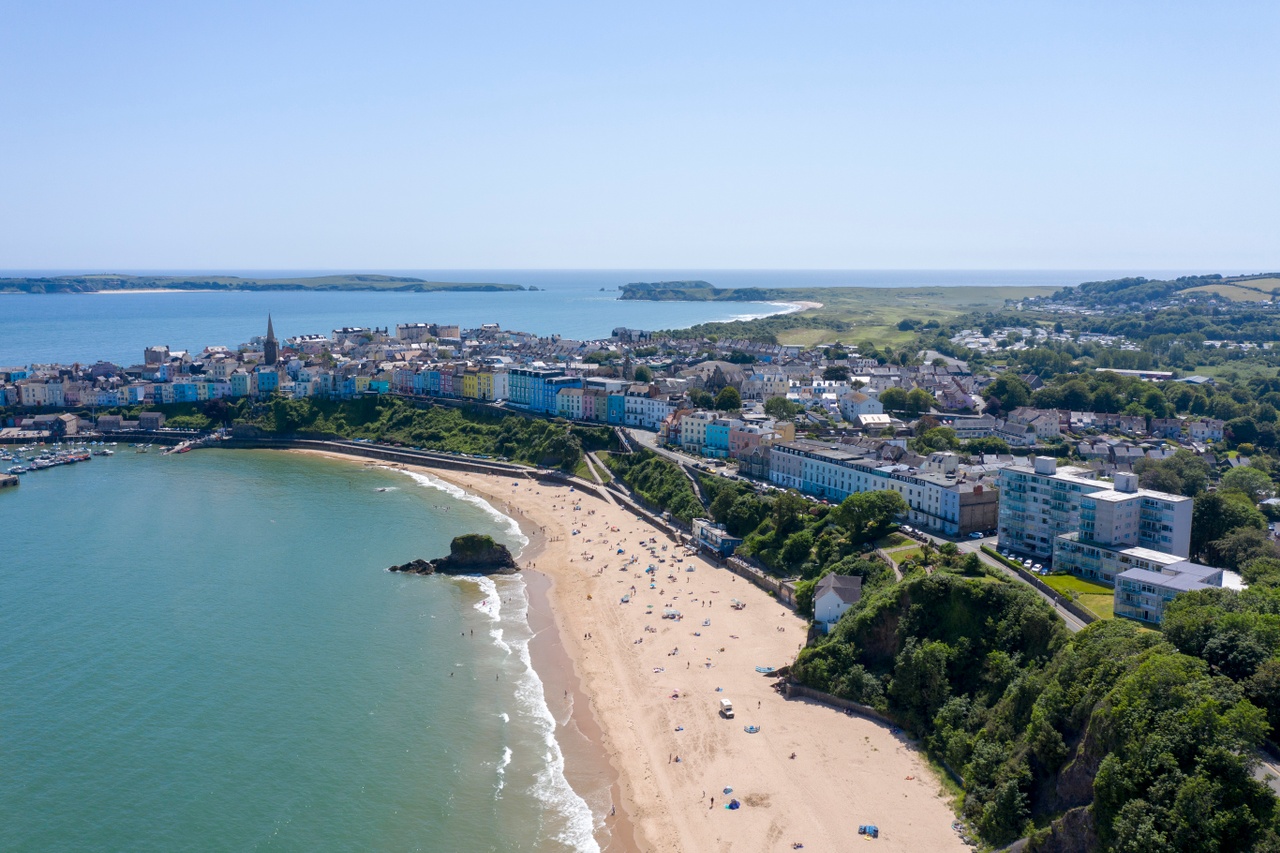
[28,459]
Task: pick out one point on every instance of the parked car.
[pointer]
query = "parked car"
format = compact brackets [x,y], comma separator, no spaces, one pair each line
[1038,569]
[975,535]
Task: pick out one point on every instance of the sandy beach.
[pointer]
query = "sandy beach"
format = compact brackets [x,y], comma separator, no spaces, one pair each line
[804,306]
[649,690]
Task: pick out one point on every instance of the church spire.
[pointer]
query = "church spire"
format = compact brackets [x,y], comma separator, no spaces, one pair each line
[269,352]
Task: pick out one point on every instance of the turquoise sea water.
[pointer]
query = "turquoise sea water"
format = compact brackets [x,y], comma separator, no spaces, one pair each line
[205,652]
[117,327]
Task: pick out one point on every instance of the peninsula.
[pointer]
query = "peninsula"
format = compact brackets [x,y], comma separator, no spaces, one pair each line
[97,283]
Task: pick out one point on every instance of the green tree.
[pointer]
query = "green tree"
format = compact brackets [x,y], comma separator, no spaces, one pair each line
[745,515]
[989,444]
[701,399]
[868,515]
[1076,396]
[894,399]
[1261,571]
[796,549]
[1241,546]
[920,685]
[1253,482]
[643,374]
[788,511]
[835,373]
[728,400]
[1242,430]
[781,408]
[1010,391]
[1216,514]
[938,438]
[919,400]
[1183,473]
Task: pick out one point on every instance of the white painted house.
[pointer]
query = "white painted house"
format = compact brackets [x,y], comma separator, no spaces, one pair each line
[833,596]
[854,404]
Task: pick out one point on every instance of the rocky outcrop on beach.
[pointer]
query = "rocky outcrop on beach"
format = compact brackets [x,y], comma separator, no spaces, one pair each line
[470,554]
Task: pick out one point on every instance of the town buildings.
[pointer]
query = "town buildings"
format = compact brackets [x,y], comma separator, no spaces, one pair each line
[1091,528]
[1143,593]
[938,499]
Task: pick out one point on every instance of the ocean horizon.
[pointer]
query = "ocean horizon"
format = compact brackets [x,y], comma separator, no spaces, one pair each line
[727,277]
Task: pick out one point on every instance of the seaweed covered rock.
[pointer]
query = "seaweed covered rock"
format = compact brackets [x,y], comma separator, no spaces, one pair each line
[469,554]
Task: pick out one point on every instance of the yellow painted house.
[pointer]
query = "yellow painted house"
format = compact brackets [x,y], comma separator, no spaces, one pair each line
[471,384]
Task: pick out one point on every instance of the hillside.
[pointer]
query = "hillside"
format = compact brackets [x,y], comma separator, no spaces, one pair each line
[851,314]
[357,281]
[1144,291]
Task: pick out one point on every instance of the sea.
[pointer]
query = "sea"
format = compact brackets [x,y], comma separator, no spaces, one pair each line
[206,652]
[578,304]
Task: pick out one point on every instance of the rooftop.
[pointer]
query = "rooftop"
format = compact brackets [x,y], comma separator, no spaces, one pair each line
[847,587]
[1182,582]
[1111,495]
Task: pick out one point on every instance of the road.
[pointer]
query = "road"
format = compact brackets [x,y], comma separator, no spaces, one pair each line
[649,441]
[974,546]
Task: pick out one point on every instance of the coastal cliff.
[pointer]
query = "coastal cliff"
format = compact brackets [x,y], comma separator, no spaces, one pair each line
[469,554]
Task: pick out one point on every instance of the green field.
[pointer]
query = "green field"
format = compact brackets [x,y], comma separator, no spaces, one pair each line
[873,313]
[1256,291]
[1095,597]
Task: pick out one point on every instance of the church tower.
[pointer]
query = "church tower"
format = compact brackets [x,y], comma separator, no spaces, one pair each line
[269,345]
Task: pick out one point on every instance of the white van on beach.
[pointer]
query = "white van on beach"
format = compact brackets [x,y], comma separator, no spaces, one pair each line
[726,709]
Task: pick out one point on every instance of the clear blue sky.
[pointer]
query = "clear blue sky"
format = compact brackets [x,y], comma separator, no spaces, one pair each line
[390,135]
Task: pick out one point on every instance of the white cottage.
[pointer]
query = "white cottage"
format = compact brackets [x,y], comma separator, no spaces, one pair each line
[833,596]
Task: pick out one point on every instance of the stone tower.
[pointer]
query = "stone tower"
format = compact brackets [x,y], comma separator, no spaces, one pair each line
[269,345]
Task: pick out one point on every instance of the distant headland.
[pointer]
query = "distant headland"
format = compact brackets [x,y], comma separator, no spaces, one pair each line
[697,291]
[107,282]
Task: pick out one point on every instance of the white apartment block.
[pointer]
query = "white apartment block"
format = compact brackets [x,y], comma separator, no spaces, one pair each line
[1061,514]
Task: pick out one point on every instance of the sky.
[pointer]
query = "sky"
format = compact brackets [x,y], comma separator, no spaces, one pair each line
[810,135]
